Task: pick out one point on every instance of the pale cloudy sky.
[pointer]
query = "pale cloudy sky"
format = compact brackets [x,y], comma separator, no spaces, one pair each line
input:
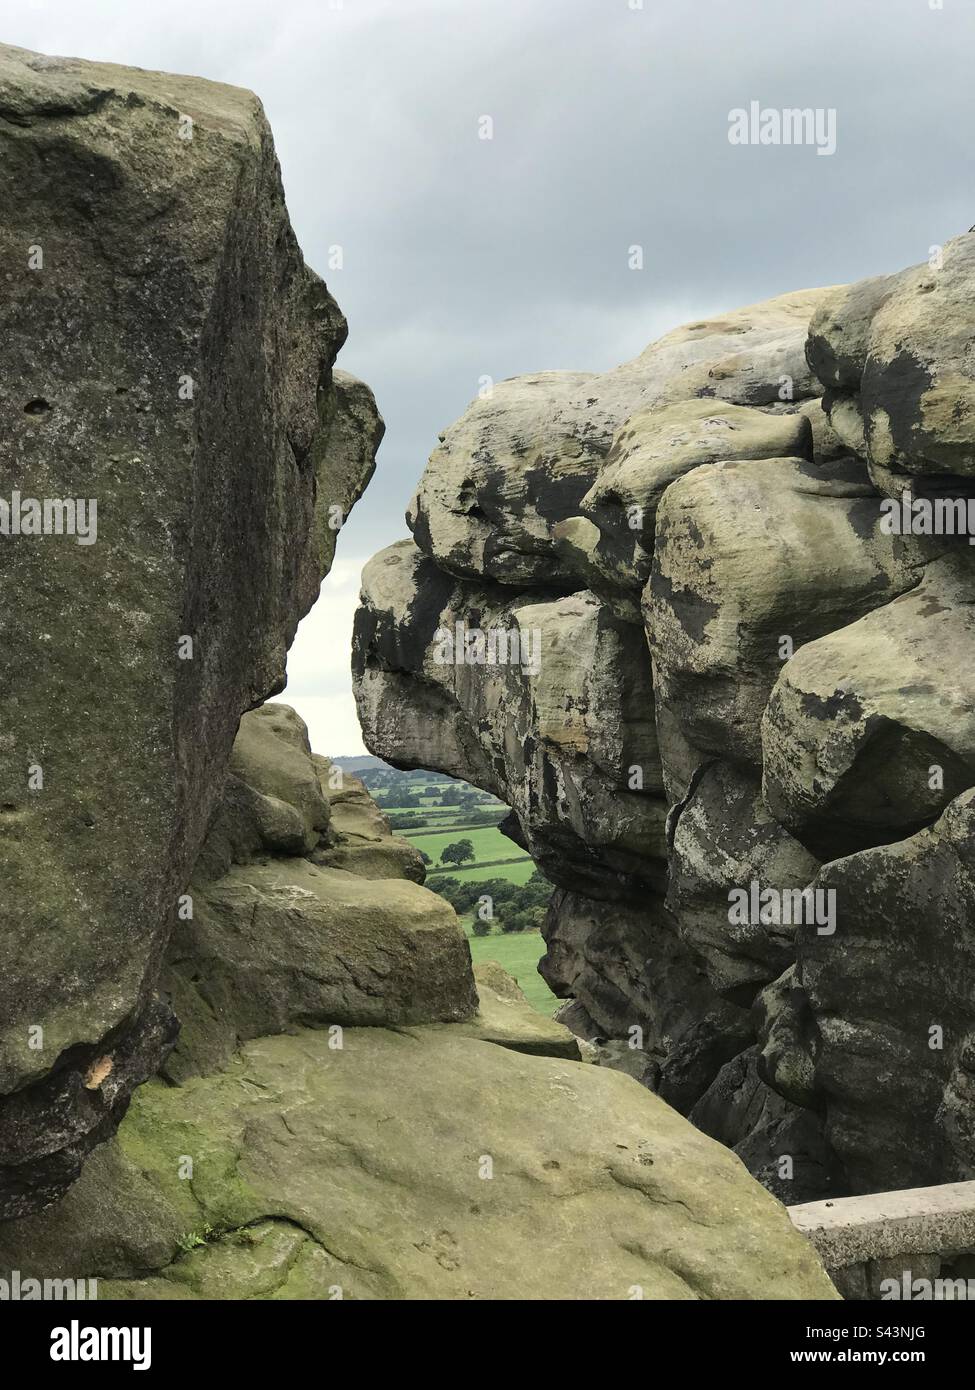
[466,257]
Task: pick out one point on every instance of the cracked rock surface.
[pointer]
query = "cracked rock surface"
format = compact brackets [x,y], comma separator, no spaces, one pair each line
[168,354]
[347,1110]
[457,1148]
[750,687]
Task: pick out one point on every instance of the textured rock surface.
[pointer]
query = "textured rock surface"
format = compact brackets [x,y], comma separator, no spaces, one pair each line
[725,837]
[346,1111]
[523,457]
[630,973]
[658,446]
[570,746]
[407,1160]
[891,995]
[360,838]
[504,1016]
[753,560]
[279,936]
[364,1169]
[166,352]
[895,355]
[860,719]
[808,715]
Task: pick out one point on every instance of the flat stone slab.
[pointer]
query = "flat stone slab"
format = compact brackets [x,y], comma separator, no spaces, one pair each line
[881,1225]
[416,1165]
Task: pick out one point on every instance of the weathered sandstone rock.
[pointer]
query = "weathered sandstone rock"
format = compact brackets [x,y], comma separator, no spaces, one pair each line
[563,732]
[898,349]
[870,731]
[521,459]
[890,995]
[280,936]
[166,353]
[779,1142]
[753,560]
[626,967]
[360,838]
[724,839]
[365,1169]
[504,1016]
[808,722]
[656,447]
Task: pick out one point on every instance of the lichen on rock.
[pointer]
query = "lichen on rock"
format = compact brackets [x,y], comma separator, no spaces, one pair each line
[782,718]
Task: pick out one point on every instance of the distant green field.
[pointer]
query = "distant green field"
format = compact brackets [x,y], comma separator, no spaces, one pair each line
[488,843]
[519,872]
[519,954]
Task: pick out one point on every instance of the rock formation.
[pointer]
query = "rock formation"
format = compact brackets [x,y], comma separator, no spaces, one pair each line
[665,613]
[347,1113]
[224,984]
[168,354]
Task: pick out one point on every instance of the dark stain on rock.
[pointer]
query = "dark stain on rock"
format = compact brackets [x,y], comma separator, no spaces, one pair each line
[557,495]
[829,707]
[897,387]
[691,610]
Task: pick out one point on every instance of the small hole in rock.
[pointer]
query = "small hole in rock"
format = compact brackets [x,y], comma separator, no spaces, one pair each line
[37,406]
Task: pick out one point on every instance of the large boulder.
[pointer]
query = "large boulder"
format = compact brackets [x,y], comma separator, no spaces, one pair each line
[278,935]
[359,837]
[167,359]
[286,942]
[810,698]
[546,702]
[272,755]
[781,1143]
[416,1165]
[656,447]
[634,980]
[895,355]
[723,841]
[753,560]
[504,1016]
[890,997]
[870,731]
[524,455]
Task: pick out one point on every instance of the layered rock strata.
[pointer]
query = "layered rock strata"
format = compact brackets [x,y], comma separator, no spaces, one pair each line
[742,745]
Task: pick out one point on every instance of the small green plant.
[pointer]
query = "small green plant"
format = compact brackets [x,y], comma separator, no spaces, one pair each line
[192,1239]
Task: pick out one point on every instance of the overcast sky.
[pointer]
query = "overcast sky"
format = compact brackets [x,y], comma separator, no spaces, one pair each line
[466,257]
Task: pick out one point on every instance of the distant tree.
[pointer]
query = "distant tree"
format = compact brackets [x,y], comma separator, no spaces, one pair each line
[457,853]
[481,928]
[515,921]
[425,857]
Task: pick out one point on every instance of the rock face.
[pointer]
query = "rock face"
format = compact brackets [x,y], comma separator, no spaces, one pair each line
[568,743]
[415,1165]
[743,750]
[276,939]
[525,456]
[348,1110]
[167,358]
[349,1113]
